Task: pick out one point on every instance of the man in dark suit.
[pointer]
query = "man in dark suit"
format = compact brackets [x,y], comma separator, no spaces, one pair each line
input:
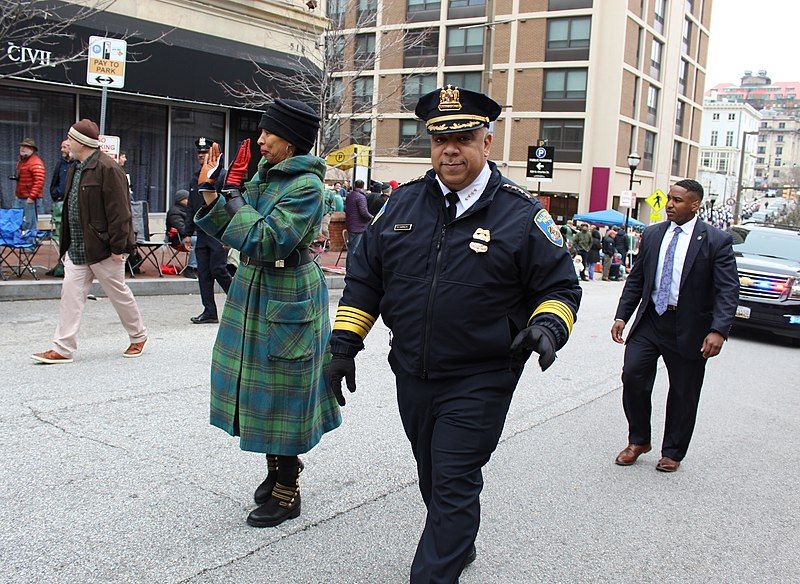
[686,285]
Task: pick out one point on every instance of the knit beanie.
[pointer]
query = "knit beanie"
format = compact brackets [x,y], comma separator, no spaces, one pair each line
[86,132]
[294,121]
[181,195]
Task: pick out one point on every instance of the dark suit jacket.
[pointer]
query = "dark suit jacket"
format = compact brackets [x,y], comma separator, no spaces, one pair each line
[709,289]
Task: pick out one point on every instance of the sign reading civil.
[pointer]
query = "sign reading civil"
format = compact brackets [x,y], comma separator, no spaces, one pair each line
[110,146]
[106,66]
[657,200]
[540,163]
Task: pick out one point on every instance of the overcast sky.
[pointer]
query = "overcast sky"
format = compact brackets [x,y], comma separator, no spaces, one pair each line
[748,34]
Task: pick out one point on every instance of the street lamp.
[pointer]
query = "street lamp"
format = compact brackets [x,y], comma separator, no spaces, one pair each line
[633,162]
[737,210]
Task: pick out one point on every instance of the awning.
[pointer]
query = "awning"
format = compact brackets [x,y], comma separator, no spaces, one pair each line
[349,156]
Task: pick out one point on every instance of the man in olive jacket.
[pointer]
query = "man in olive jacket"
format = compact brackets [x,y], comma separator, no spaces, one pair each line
[96,238]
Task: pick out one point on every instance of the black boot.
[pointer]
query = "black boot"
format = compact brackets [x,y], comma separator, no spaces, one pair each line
[264,490]
[284,500]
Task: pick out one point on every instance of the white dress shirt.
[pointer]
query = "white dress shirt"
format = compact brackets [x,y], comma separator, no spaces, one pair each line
[684,239]
[467,196]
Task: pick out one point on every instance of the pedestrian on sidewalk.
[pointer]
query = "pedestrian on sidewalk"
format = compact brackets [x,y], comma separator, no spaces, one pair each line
[96,238]
[583,243]
[212,258]
[267,383]
[58,183]
[594,251]
[686,286]
[466,312]
[30,174]
[356,217]
[608,252]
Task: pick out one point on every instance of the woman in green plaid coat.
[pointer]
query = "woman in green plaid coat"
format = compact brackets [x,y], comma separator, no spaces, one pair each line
[267,381]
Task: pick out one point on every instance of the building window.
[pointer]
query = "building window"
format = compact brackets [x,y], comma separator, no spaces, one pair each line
[649,150]
[714,116]
[676,158]
[759,173]
[652,105]
[466,9]
[422,5]
[781,125]
[687,35]
[364,54]
[415,86]
[362,94]
[421,48]
[361,132]
[683,75]
[722,164]
[706,161]
[760,160]
[714,137]
[763,125]
[464,46]
[679,113]
[367,12]
[568,38]
[659,11]
[655,59]
[332,135]
[566,136]
[762,137]
[336,12]
[729,138]
[564,90]
[777,162]
[689,6]
[414,140]
[568,4]
[762,150]
[779,138]
[471,81]
[334,47]
[336,94]
[778,150]
[731,116]
[776,174]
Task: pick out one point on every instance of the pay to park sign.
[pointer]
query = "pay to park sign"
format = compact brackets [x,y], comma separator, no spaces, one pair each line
[106,66]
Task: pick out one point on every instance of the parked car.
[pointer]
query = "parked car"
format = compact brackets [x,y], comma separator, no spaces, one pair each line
[760,217]
[768,262]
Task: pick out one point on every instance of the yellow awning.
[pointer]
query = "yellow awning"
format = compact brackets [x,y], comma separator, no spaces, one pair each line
[349,156]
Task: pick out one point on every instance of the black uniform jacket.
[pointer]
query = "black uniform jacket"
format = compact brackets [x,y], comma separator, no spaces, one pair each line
[709,288]
[456,295]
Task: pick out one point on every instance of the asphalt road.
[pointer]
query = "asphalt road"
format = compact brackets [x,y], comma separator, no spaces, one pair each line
[110,471]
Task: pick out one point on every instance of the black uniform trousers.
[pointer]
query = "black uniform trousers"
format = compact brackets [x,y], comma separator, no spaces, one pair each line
[453,425]
[656,336]
[211,265]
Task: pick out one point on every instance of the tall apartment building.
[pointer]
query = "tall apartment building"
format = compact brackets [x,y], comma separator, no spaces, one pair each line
[722,133]
[596,79]
[171,94]
[778,147]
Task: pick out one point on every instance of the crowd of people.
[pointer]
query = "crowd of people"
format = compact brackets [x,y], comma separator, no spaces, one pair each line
[607,251]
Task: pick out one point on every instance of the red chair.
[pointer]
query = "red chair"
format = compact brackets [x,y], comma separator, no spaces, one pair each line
[175,250]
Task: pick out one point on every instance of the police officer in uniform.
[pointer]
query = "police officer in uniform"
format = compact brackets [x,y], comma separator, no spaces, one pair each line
[211,256]
[471,275]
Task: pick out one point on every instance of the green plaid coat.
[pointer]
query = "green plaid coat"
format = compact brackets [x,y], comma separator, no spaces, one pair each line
[267,380]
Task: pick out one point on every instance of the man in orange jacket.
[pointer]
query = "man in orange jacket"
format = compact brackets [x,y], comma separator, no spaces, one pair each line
[30,182]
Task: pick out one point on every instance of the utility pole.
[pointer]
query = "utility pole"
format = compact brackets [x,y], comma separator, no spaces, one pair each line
[488,47]
[737,210]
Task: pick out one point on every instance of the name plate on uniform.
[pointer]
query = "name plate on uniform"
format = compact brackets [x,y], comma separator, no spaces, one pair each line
[403,227]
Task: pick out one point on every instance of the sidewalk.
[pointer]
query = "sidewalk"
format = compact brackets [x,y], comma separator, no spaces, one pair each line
[146,283]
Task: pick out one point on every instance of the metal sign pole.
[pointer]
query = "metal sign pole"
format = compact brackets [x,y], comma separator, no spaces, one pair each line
[103,110]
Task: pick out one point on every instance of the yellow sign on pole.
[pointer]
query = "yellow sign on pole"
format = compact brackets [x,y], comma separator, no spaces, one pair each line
[655,216]
[657,200]
[349,156]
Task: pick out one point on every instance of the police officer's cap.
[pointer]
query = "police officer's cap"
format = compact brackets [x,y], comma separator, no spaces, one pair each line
[203,144]
[449,109]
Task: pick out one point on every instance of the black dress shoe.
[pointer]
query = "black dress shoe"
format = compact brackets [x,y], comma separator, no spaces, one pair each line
[190,273]
[274,512]
[204,319]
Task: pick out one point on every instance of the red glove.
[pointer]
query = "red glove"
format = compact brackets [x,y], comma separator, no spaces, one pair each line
[237,172]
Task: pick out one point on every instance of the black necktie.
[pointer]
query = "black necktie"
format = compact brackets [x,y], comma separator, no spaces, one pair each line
[452,199]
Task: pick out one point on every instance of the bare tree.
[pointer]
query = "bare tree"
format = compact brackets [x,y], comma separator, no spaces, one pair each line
[334,71]
[30,27]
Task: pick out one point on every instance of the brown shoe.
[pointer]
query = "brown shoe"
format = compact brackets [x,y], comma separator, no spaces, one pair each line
[632,451]
[135,350]
[668,464]
[51,358]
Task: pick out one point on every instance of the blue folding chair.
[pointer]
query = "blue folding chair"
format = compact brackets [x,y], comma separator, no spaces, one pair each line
[17,249]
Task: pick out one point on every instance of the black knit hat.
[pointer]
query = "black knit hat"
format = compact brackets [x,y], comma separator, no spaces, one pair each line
[294,121]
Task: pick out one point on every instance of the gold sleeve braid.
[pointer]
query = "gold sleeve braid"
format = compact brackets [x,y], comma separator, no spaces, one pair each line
[557,308]
[353,320]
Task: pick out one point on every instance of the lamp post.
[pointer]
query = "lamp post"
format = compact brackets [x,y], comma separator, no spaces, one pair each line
[633,162]
[737,210]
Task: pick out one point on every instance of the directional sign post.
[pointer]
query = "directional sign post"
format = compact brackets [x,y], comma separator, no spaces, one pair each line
[540,163]
[106,68]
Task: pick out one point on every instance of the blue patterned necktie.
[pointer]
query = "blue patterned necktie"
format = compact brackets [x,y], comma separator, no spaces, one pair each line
[666,274]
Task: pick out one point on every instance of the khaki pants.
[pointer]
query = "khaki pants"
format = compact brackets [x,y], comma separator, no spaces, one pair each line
[606,266]
[110,275]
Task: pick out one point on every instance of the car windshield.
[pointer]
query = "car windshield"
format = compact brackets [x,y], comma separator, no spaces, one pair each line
[773,243]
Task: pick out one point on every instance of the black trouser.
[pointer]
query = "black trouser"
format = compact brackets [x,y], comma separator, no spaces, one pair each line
[584,253]
[453,426]
[211,260]
[656,336]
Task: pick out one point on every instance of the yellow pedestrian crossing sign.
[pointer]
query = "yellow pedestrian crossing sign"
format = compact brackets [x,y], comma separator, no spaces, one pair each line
[655,216]
[657,200]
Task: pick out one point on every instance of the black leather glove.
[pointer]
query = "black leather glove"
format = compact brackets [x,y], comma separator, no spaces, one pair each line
[535,338]
[342,367]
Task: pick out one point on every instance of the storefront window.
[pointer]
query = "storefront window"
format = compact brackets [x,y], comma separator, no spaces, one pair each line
[187,126]
[44,116]
[142,131]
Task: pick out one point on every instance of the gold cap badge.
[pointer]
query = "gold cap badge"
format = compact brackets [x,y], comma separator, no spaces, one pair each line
[449,99]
